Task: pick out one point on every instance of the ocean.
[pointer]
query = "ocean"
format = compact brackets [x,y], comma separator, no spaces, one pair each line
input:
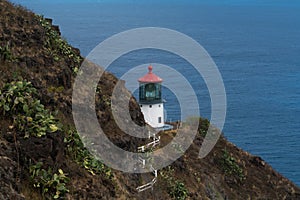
[256,49]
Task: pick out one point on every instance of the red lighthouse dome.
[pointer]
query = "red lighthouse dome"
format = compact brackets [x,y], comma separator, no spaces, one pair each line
[150,77]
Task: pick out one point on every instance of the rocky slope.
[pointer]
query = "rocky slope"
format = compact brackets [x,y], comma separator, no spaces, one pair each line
[50,162]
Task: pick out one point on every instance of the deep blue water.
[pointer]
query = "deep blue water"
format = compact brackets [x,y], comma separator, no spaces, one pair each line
[256,48]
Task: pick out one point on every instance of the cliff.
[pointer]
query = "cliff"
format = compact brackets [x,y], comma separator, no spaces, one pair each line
[42,157]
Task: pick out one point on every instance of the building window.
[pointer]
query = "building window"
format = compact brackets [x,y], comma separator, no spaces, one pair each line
[159,119]
[150,106]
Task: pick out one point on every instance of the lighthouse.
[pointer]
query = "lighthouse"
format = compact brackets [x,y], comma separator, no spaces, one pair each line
[150,99]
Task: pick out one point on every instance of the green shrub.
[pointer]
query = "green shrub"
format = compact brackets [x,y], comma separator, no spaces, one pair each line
[83,157]
[52,185]
[57,45]
[230,166]
[176,189]
[203,124]
[53,89]
[177,147]
[5,53]
[18,99]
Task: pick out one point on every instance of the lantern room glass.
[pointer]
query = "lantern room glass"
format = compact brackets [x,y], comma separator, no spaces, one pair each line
[150,92]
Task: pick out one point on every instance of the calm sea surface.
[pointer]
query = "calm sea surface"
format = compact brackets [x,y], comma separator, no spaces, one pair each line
[257,50]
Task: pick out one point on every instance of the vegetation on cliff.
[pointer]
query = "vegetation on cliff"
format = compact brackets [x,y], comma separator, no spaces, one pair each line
[42,156]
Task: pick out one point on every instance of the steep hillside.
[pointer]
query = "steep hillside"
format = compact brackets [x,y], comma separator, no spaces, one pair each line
[41,154]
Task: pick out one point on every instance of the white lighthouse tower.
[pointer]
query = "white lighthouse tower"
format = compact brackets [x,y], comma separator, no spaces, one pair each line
[150,99]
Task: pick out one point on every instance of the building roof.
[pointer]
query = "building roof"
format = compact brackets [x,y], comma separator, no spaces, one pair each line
[150,77]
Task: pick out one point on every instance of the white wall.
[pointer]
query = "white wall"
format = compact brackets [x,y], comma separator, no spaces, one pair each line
[152,112]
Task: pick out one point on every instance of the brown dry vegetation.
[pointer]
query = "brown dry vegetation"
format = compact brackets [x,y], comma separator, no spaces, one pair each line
[28,54]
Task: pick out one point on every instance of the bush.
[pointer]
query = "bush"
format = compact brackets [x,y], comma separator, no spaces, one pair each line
[18,100]
[5,53]
[83,157]
[176,189]
[52,185]
[57,45]
[230,166]
[203,124]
